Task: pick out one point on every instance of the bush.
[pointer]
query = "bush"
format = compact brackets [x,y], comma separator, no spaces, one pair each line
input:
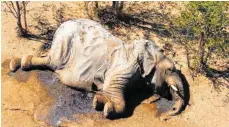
[201,28]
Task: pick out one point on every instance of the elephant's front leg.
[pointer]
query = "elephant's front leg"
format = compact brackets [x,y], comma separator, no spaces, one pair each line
[113,105]
[99,101]
[114,88]
[113,94]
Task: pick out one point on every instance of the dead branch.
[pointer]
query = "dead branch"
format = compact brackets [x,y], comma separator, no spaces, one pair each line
[12,5]
[10,10]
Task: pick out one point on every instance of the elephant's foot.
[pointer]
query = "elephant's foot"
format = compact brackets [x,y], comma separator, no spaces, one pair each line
[98,102]
[26,62]
[152,99]
[95,103]
[108,110]
[14,64]
[112,106]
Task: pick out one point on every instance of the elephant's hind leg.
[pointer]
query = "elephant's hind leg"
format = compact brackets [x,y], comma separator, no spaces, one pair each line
[28,62]
[15,64]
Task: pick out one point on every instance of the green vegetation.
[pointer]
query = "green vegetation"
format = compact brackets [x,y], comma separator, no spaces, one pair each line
[201,28]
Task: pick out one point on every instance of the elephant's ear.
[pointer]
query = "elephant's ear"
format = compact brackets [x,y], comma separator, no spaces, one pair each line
[148,65]
[145,49]
[149,61]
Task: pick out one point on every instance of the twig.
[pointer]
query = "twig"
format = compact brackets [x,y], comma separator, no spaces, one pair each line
[12,4]
[11,11]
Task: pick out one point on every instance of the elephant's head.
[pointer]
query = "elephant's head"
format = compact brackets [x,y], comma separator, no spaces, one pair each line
[159,70]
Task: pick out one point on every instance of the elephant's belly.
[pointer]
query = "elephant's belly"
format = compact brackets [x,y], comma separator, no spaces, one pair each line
[69,78]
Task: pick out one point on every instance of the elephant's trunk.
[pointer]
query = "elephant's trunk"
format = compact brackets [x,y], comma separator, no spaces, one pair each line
[177,90]
[178,106]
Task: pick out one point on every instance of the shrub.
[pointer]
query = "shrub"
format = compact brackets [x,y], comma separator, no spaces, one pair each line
[201,28]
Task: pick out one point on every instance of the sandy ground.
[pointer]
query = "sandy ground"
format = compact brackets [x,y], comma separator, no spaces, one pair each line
[35,98]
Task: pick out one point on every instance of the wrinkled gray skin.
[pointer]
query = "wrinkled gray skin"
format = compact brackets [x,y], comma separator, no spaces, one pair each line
[86,56]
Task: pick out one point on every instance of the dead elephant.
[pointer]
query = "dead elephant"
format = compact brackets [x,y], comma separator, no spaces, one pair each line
[86,56]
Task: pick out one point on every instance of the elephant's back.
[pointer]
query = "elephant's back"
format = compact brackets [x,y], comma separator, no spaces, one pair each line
[83,47]
[78,37]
